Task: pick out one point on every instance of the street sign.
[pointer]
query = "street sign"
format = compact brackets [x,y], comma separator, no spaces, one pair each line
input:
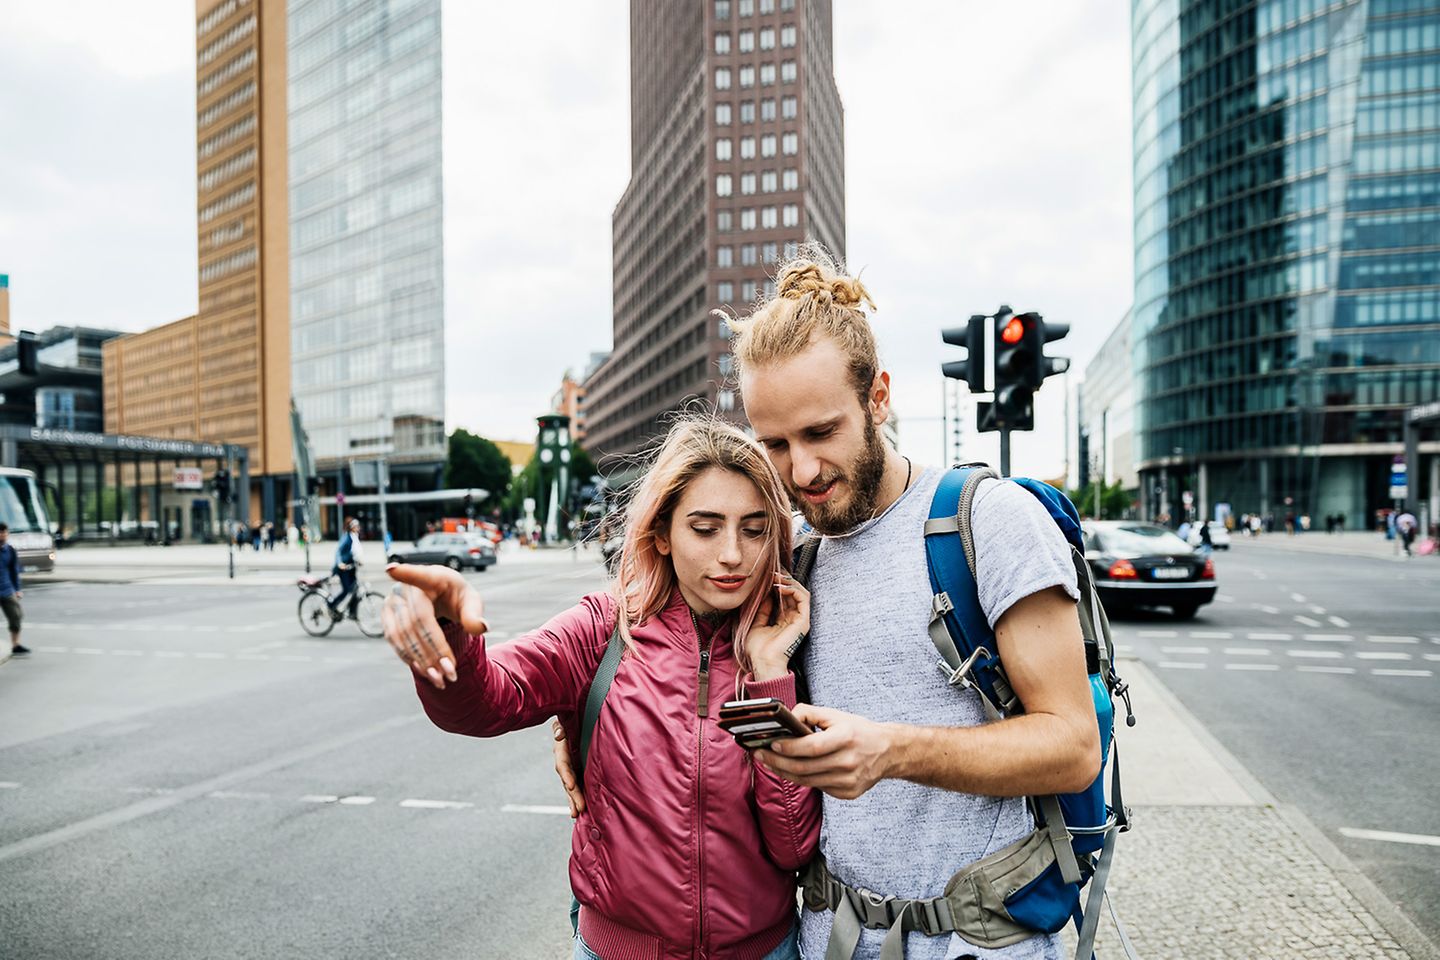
[189,478]
[1399,485]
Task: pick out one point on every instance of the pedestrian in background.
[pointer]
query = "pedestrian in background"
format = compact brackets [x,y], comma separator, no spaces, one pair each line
[292,536]
[10,593]
[1405,526]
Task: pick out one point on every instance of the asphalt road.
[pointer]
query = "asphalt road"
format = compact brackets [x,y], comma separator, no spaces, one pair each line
[183,773]
[1322,675]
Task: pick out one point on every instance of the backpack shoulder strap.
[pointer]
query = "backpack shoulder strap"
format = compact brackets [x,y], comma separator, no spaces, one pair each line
[595,699]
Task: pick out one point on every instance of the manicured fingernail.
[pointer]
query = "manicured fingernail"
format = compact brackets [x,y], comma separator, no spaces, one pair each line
[433,674]
[448,666]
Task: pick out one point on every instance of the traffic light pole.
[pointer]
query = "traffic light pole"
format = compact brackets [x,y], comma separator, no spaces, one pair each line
[229,532]
[1004,453]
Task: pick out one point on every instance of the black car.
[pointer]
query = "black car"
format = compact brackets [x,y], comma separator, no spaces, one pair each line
[456,550]
[1145,565]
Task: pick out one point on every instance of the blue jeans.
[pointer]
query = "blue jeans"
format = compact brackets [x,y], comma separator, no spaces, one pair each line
[789,948]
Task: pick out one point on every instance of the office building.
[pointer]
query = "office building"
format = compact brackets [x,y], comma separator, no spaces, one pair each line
[1106,414]
[1287,249]
[737,156]
[366,247]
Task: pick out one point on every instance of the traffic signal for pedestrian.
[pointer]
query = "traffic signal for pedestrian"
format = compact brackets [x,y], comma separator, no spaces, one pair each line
[972,338]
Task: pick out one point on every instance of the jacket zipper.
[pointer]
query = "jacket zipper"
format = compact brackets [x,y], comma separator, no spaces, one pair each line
[702,709]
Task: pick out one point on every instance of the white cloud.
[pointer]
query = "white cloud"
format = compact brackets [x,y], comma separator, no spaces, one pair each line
[988,161]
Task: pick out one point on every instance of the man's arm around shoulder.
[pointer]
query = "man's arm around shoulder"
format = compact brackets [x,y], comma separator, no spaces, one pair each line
[1054,747]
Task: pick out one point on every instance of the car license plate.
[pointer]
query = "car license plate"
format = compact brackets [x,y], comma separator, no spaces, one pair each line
[1170,573]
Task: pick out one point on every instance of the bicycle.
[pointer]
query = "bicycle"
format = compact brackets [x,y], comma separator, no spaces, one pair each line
[316,617]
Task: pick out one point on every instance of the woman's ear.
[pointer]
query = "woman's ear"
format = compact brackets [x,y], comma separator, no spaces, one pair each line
[662,541]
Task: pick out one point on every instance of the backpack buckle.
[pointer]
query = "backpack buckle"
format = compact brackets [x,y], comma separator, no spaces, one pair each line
[963,675]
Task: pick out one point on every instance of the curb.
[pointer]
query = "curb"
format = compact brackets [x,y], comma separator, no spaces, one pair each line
[1400,927]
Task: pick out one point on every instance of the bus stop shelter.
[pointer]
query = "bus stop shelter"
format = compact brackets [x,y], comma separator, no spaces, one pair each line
[107,486]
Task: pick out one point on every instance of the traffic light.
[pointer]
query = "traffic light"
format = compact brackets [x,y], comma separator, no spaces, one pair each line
[1015,367]
[222,485]
[469,505]
[1037,333]
[27,352]
[972,338]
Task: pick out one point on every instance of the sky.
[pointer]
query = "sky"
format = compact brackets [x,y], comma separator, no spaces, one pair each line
[988,161]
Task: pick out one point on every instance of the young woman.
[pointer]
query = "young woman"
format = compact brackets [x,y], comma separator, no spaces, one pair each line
[685,846]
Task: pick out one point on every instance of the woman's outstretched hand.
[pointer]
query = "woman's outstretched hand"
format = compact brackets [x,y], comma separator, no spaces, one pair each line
[423,595]
[770,646]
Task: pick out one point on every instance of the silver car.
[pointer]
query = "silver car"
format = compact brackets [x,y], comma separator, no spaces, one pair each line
[455,550]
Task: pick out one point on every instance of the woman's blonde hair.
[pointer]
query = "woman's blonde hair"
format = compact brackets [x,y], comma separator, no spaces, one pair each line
[645,578]
[813,297]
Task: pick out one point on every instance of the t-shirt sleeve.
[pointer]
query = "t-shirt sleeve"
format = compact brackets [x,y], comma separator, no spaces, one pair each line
[1018,548]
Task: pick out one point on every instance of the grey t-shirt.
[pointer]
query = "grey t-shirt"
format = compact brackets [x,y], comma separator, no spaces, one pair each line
[870,654]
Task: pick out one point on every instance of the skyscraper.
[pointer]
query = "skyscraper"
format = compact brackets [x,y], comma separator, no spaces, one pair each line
[737,155]
[1287,248]
[366,254]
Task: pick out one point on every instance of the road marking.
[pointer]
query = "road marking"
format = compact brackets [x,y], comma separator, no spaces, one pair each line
[211,655]
[1181,665]
[1402,673]
[1252,666]
[1316,609]
[253,656]
[1340,622]
[1312,668]
[295,658]
[1224,598]
[1160,634]
[535,808]
[1381,655]
[127,653]
[1266,608]
[1268,636]
[1432,656]
[172,654]
[272,645]
[1392,639]
[52,649]
[1316,654]
[1184,649]
[1211,635]
[1306,621]
[356,801]
[151,791]
[149,805]
[1388,837]
[1298,597]
[1329,638]
[89,651]
[435,804]
[1247,652]
[9,785]
[237,795]
[319,798]
[1126,648]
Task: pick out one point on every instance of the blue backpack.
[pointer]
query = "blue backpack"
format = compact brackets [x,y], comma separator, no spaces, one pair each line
[1034,885]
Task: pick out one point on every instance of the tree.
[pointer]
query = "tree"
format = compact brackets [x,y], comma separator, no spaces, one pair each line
[473,461]
[580,469]
[1114,501]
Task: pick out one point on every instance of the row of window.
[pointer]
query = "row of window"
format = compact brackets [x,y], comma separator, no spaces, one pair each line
[745,39]
[232,69]
[1382,307]
[226,265]
[746,75]
[227,203]
[212,19]
[236,165]
[231,102]
[769,218]
[1399,154]
[228,39]
[768,181]
[1398,76]
[213,145]
[749,252]
[789,110]
[746,8]
[789,146]
[749,293]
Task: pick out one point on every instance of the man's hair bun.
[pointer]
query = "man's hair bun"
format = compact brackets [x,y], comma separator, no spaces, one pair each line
[807,278]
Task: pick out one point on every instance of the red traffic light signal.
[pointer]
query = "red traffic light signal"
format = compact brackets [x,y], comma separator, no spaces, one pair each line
[1014,331]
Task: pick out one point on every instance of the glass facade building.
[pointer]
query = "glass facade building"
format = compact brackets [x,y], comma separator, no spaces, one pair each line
[1287,249]
[366,247]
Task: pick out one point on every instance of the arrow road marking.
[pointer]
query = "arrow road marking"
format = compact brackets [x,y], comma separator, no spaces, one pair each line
[1387,837]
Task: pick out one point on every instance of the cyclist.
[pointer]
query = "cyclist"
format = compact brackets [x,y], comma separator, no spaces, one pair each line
[347,558]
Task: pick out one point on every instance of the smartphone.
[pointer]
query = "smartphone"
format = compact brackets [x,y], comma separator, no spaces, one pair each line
[759,723]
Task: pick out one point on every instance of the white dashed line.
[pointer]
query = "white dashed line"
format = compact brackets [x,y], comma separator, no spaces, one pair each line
[211,655]
[1329,638]
[1316,609]
[9,785]
[1312,668]
[52,649]
[356,801]
[127,653]
[1268,636]
[1433,656]
[1306,621]
[1316,654]
[253,656]
[1402,673]
[535,808]
[1298,597]
[1224,598]
[1160,634]
[1246,652]
[1183,650]
[169,654]
[151,791]
[1381,655]
[1340,622]
[237,795]
[295,658]
[90,651]
[1181,665]
[1211,635]
[1252,666]
[1388,837]
[1126,648]
[319,798]
[1266,608]
[1382,638]
[435,804]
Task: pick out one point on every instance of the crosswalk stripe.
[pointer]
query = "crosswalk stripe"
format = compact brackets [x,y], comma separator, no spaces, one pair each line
[1315,668]
[1381,655]
[1181,665]
[1252,666]
[1316,654]
[1184,649]
[1382,638]
[1388,837]
[1269,636]
[1379,672]
[1329,638]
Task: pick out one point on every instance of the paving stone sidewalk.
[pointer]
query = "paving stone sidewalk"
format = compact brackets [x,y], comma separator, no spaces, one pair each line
[1352,543]
[1214,868]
